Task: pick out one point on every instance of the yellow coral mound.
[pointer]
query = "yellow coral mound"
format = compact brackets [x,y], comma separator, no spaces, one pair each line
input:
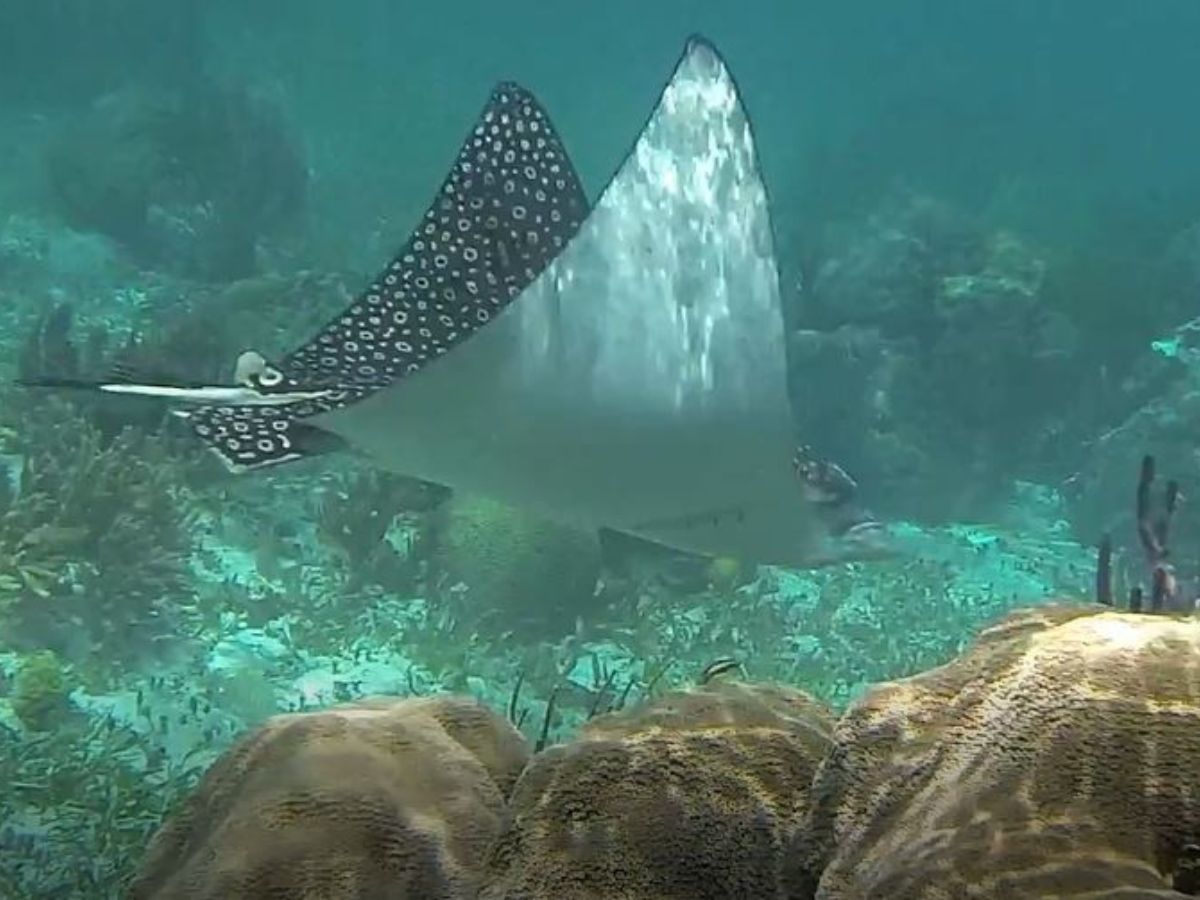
[692,795]
[1058,757]
[385,798]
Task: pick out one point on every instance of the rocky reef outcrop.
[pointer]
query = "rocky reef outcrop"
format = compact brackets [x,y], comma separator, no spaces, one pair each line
[188,180]
[923,342]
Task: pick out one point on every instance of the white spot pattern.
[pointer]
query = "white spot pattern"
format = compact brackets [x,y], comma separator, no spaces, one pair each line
[496,223]
[507,208]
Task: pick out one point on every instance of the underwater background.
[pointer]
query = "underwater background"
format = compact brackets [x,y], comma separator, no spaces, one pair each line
[987,223]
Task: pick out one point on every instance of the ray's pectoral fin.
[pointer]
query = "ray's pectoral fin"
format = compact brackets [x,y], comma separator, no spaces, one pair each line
[255,437]
[511,202]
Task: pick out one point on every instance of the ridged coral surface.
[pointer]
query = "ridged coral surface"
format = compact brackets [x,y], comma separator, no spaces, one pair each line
[387,799]
[1058,757]
[692,795]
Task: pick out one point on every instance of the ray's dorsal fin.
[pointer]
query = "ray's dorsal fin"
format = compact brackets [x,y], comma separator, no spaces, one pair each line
[510,204]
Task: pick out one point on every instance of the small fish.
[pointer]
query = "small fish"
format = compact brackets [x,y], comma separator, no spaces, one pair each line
[719,667]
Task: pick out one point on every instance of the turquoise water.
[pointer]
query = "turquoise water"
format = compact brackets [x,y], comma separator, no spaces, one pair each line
[986,225]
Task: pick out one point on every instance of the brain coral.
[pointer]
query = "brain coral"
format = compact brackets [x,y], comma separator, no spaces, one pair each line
[693,795]
[1058,757]
[387,799]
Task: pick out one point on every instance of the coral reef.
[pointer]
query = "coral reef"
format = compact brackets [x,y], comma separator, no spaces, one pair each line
[531,573]
[1164,414]
[692,794]
[383,798]
[94,540]
[1051,759]
[935,335]
[183,608]
[291,592]
[1169,591]
[189,180]
[1054,758]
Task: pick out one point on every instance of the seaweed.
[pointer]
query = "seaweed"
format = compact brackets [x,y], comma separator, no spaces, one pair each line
[355,519]
[79,806]
[94,534]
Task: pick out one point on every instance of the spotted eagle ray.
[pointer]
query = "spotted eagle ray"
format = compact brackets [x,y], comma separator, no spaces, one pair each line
[637,383]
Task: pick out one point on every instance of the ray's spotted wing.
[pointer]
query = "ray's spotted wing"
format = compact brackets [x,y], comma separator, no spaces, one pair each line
[511,203]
